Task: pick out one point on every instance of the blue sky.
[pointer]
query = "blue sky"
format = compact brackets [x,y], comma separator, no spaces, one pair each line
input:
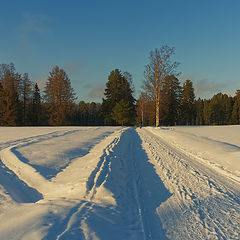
[91,38]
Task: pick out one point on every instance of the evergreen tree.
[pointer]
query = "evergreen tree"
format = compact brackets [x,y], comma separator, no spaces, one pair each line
[216,110]
[2,95]
[199,112]
[169,101]
[206,116]
[88,114]
[25,98]
[10,112]
[187,103]
[94,114]
[83,113]
[59,97]
[121,113]
[236,109]
[117,88]
[36,113]
[227,108]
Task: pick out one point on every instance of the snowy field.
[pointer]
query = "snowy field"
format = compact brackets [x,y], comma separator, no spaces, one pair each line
[120,183]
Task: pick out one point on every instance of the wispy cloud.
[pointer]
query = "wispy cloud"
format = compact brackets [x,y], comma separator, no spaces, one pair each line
[206,88]
[96,91]
[42,83]
[203,88]
[73,66]
[33,25]
[185,76]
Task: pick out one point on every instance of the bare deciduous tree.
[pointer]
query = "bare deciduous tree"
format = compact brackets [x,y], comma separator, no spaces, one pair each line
[155,72]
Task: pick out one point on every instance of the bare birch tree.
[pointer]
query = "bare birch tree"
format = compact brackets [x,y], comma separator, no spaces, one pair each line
[155,72]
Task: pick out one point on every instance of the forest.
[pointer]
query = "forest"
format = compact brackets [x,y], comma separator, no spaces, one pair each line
[163,99]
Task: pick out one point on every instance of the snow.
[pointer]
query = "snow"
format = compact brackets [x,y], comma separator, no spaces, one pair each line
[120,183]
[218,146]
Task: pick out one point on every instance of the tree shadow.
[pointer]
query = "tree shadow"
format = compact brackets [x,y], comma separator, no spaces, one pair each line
[138,192]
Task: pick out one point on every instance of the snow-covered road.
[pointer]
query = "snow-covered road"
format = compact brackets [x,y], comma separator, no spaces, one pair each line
[114,183]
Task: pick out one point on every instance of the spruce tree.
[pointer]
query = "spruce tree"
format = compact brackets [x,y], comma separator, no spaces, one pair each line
[187,103]
[25,98]
[36,108]
[206,116]
[117,88]
[227,108]
[199,112]
[236,109]
[121,113]
[170,100]
[216,110]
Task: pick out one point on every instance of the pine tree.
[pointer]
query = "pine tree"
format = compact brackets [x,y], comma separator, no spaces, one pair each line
[216,110]
[199,112]
[94,114]
[25,97]
[235,119]
[59,97]
[206,116]
[36,113]
[227,108]
[1,103]
[187,103]
[83,113]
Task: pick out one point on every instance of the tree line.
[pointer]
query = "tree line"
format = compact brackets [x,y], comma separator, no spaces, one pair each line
[178,106]
[163,100]
[23,104]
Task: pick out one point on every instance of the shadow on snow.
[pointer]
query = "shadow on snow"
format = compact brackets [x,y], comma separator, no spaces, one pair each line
[17,189]
[138,192]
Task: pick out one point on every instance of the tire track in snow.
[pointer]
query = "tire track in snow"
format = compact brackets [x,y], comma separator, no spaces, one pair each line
[99,174]
[35,139]
[97,177]
[206,205]
[136,188]
[81,210]
[56,189]
[95,180]
[24,173]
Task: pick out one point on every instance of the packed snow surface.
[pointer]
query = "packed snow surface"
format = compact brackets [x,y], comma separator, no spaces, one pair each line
[120,183]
